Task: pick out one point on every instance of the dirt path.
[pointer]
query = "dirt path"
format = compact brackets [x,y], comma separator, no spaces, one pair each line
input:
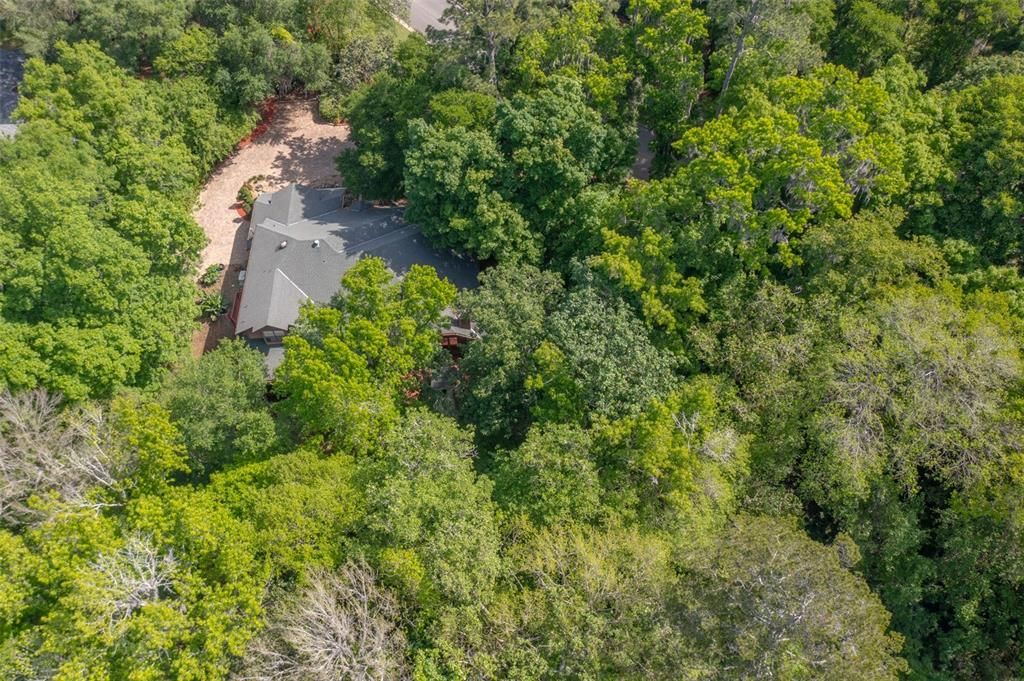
[297,147]
[644,154]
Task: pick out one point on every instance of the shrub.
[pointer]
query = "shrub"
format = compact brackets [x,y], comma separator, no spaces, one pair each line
[332,107]
[211,305]
[211,275]
[252,188]
[246,196]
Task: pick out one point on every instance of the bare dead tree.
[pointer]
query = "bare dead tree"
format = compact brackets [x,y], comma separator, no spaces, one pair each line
[133,576]
[48,450]
[342,626]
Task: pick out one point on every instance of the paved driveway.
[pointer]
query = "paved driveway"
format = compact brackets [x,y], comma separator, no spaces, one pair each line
[12,63]
[423,13]
[297,147]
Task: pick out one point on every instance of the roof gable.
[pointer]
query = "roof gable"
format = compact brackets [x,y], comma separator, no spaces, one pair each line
[295,203]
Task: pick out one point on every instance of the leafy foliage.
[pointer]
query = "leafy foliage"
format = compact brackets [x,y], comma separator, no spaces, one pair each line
[757,417]
[788,607]
[349,362]
[522,191]
[219,405]
[98,239]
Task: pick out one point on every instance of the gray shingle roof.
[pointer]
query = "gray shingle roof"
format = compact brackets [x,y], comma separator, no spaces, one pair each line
[321,241]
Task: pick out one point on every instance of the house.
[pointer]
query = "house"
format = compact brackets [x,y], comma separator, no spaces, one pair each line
[303,241]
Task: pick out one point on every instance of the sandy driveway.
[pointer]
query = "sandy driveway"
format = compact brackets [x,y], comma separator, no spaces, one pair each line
[297,147]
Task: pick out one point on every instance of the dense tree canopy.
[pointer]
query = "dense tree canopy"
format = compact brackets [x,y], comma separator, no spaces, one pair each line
[750,410]
[97,233]
[521,191]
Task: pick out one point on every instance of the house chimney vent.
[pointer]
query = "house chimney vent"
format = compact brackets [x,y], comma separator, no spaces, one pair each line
[316,243]
[283,244]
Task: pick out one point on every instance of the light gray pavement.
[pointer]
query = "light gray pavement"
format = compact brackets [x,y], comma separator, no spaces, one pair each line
[423,13]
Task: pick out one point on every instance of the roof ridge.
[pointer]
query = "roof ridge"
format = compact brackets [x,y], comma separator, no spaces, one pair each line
[383,239]
[278,270]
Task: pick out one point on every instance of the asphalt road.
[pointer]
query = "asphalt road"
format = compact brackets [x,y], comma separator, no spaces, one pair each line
[423,13]
[11,64]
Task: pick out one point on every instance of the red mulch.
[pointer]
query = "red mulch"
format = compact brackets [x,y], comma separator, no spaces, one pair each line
[267,110]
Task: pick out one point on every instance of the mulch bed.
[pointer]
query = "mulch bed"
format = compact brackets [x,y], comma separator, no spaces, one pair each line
[267,110]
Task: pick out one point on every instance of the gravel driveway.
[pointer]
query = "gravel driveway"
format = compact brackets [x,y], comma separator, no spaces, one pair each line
[297,147]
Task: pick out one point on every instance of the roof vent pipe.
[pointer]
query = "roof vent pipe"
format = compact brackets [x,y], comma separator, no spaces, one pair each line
[316,243]
[282,244]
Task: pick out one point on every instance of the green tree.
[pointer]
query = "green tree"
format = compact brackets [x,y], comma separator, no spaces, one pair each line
[510,308]
[36,24]
[462,108]
[338,24]
[219,404]
[346,364]
[430,516]
[679,464]
[773,347]
[891,449]
[982,569]
[208,130]
[193,53]
[303,507]
[758,38]
[751,184]
[642,270]
[529,189]
[142,580]
[957,28]
[454,180]
[257,60]
[378,113]
[582,42]
[131,31]
[559,151]
[583,603]
[907,364]
[479,32]
[663,40]
[983,205]
[771,602]
[551,478]
[98,187]
[171,593]
[863,257]
[613,365]
[886,136]
[867,35]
